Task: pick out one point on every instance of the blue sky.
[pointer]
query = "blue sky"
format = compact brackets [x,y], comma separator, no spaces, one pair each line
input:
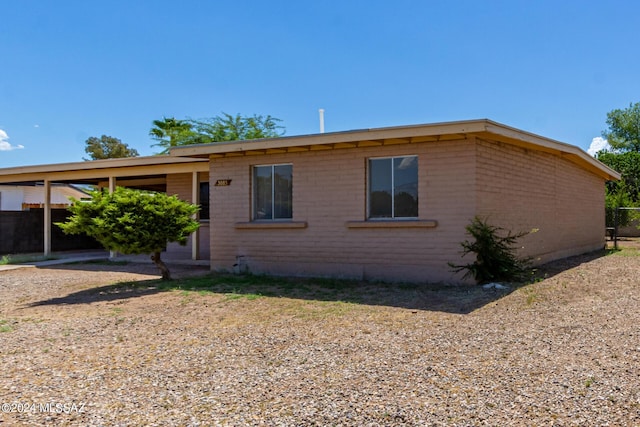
[74,69]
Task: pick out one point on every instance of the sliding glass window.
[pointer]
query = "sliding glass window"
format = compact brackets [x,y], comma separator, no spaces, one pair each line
[393,187]
[272,192]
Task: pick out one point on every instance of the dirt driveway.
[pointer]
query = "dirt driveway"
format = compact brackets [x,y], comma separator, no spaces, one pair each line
[78,350]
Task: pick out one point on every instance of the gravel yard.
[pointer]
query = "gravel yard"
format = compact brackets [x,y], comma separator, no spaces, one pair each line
[79,348]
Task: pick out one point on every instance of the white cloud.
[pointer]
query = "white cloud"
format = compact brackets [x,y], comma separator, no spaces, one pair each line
[4,143]
[598,143]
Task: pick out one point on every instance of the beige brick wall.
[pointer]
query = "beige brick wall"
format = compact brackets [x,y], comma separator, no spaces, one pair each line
[521,190]
[514,188]
[180,185]
[329,190]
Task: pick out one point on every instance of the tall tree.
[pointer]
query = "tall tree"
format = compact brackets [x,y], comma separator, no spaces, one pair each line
[628,165]
[108,147]
[133,222]
[171,132]
[623,136]
[233,128]
[624,129]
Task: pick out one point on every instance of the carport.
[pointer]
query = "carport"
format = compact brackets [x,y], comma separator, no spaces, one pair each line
[156,173]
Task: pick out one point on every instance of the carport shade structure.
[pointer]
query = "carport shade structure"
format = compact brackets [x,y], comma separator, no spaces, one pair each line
[144,173]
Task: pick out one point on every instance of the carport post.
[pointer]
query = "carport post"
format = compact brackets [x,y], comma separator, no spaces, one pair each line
[47,217]
[195,196]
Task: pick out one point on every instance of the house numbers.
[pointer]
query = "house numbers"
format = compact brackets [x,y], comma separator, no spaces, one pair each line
[222,183]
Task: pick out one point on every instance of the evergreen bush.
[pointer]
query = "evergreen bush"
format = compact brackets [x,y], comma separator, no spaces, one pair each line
[133,222]
[495,258]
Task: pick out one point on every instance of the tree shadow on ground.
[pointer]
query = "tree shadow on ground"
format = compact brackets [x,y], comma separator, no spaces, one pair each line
[458,299]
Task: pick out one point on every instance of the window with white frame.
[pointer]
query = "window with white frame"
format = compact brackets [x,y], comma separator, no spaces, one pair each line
[393,187]
[272,192]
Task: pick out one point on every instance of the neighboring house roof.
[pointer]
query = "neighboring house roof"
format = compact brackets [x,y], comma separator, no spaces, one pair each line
[482,128]
[20,197]
[59,194]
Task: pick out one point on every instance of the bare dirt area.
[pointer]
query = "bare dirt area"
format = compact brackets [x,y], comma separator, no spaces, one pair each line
[81,348]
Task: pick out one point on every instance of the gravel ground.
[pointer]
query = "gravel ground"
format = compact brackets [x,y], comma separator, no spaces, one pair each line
[77,350]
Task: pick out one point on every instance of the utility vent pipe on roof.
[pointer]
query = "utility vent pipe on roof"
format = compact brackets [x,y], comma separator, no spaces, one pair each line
[321,111]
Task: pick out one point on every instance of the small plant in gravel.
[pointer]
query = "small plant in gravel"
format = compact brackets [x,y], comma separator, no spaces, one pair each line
[532,295]
[116,311]
[4,326]
[495,258]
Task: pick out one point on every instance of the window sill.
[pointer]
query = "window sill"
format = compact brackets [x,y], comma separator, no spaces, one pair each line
[268,225]
[393,224]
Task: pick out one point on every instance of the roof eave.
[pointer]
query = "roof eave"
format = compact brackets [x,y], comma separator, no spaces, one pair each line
[572,152]
[412,131]
[428,132]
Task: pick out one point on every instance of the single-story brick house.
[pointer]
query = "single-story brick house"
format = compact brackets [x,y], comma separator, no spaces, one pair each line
[389,203]
[393,203]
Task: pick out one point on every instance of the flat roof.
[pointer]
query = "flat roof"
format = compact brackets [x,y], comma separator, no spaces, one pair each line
[96,170]
[434,132]
[195,157]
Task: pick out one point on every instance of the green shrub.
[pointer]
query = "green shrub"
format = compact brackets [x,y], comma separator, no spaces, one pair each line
[133,222]
[618,199]
[495,258]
